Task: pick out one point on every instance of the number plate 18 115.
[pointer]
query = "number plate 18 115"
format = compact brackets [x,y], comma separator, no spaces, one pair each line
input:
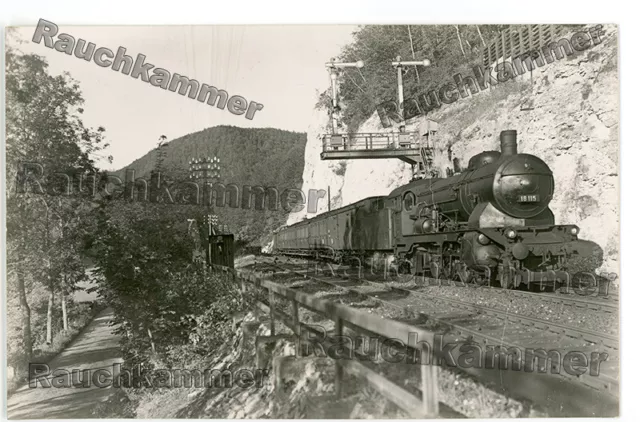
[528,198]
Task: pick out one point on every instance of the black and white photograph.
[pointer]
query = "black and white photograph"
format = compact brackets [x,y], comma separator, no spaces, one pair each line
[366,220]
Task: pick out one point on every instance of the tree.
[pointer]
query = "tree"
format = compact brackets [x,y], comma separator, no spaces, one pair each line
[138,247]
[451,48]
[459,39]
[44,128]
[161,299]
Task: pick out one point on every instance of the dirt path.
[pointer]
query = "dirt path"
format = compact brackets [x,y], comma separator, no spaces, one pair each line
[95,348]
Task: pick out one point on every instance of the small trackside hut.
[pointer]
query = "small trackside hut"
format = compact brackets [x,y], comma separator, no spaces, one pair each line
[221,250]
[221,246]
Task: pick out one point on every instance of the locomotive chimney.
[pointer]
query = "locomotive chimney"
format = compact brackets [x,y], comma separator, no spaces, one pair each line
[508,142]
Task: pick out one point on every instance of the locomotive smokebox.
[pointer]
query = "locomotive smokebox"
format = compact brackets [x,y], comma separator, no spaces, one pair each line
[509,142]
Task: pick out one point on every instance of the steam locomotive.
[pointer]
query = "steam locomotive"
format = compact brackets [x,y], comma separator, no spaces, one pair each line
[488,223]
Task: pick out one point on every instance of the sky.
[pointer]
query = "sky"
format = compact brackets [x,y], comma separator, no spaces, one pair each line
[279,66]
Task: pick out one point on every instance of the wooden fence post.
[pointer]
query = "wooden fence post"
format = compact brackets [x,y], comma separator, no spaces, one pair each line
[296,321]
[429,374]
[338,380]
[243,292]
[257,289]
[272,312]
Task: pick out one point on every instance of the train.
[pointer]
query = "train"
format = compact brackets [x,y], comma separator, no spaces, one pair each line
[490,223]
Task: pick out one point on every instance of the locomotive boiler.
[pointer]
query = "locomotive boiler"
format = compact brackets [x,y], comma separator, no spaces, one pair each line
[518,186]
[488,223]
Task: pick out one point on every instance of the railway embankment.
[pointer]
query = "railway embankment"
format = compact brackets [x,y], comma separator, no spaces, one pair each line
[305,390]
[302,387]
[296,384]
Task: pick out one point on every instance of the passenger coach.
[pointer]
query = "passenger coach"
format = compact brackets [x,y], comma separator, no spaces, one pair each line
[363,227]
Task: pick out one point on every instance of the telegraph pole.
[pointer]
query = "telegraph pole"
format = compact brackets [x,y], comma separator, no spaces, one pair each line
[332,68]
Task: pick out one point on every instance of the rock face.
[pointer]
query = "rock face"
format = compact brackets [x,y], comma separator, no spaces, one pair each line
[565,112]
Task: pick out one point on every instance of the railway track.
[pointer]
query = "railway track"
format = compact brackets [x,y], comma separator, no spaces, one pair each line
[607,303]
[468,321]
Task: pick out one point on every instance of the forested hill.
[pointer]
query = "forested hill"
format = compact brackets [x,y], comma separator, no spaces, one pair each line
[255,157]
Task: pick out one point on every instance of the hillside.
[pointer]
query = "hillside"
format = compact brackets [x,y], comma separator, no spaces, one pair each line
[565,112]
[451,49]
[248,157]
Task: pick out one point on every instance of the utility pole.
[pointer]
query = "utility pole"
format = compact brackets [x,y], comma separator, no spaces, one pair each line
[398,64]
[332,68]
[206,169]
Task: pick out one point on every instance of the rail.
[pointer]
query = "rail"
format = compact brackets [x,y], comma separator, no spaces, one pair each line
[358,321]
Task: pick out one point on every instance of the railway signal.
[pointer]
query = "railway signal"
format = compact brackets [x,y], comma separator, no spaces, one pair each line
[333,67]
[398,64]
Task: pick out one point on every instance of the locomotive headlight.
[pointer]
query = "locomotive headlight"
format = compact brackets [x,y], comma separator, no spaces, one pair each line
[483,240]
[511,234]
[575,231]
